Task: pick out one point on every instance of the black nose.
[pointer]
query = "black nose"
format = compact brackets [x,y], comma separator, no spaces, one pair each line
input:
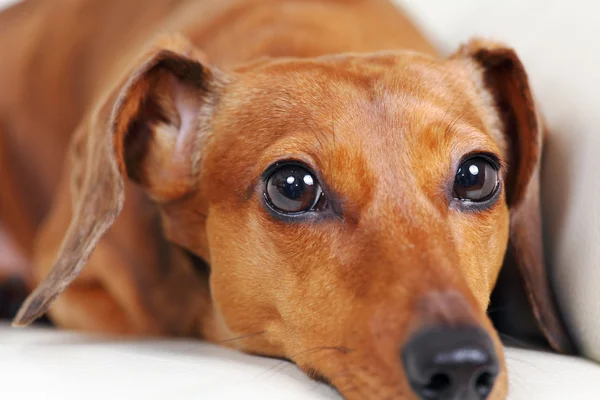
[451,364]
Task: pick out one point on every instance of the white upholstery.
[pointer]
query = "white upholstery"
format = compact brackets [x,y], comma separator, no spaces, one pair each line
[57,365]
[558,43]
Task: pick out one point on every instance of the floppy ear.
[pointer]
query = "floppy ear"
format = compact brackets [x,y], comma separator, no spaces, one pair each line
[150,130]
[501,76]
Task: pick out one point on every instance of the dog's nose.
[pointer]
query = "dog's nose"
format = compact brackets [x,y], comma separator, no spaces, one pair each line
[451,364]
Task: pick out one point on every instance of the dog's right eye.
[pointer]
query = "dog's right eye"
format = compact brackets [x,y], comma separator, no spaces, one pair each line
[477,180]
[292,189]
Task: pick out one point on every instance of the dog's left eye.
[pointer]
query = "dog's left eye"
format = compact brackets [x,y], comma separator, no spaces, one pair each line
[292,189]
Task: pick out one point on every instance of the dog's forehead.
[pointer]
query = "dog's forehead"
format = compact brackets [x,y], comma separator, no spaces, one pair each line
[349,75]
[379,94]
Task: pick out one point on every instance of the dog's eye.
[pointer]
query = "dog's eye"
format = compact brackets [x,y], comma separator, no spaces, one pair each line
[292,189]
[476,180]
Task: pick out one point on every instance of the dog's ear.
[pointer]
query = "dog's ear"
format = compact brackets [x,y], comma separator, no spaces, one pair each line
[149,129]
[501,78]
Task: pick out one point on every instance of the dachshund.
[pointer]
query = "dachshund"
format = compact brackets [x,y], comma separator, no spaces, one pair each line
[302,179]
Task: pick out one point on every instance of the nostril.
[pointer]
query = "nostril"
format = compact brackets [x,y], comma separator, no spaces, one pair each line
[439,384]
[451,363]
[484,383]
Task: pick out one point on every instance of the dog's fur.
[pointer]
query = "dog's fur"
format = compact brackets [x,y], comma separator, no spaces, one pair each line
[135,133]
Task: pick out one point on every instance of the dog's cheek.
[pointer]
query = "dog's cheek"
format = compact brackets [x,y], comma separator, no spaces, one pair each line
[481,240]
[244,268]
[498,243]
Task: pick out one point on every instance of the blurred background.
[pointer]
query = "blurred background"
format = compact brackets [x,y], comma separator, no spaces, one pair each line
[10,261]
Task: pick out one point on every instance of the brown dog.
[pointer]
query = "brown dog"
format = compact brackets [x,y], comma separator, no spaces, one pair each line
[305,177]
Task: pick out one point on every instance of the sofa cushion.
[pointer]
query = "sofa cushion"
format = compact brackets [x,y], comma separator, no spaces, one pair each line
[50,364]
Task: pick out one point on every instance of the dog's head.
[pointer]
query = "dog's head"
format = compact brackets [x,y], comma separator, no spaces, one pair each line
[355,210]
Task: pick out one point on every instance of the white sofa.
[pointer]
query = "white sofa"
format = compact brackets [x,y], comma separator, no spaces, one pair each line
[558,41]
[53,365]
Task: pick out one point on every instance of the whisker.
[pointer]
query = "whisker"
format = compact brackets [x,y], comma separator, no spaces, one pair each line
[275,368]
[333,130]
[515,341]
[492,310]
[458,118]
[314,132]
[325,136]
[529,363]
[199,214]
[284,363]
[451,106]
[242,337]
[343,350]
[449,111]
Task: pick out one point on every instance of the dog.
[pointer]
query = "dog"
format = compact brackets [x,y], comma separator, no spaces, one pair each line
[302,179]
